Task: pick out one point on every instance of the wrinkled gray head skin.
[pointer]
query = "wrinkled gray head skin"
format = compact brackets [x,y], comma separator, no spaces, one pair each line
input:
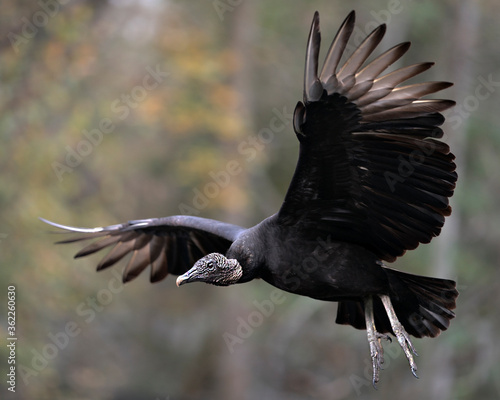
[214,268]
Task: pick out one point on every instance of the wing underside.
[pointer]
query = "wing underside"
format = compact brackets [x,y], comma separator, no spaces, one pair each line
[371,169]
[169,245]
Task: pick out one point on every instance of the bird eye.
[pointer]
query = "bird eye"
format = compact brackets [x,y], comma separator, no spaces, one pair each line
[211,265]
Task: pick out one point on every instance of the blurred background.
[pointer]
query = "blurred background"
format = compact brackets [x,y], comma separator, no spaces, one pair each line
[117,110]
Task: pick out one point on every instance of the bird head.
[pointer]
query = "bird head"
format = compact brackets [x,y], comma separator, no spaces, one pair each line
[214,268]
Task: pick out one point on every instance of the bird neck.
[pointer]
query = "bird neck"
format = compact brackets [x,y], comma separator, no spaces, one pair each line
[250,249]
[249,265]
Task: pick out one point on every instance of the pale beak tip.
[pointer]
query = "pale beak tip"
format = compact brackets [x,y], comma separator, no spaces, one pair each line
[179,281]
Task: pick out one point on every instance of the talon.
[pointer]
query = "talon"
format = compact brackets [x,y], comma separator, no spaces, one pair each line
[401,334]
[376,349]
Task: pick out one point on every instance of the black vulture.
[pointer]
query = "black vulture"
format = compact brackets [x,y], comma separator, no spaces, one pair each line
[371,182]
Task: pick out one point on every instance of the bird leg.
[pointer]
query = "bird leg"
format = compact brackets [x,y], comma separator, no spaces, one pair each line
[401,334]
[376,349]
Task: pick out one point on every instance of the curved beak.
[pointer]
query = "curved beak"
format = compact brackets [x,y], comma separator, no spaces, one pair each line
[190,276]
[182,279]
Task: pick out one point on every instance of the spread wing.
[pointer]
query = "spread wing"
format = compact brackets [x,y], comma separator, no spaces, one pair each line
[170,245]
[371,170]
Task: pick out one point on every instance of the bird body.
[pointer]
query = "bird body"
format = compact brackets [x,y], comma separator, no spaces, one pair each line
[372,181]
[310,266]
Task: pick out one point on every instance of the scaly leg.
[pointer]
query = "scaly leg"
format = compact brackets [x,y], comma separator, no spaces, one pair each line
[376,349]
[401,334]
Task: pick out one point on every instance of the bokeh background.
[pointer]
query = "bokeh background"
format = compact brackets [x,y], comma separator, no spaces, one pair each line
[117,110]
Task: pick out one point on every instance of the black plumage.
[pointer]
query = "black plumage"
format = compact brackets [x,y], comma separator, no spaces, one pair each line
[372,181]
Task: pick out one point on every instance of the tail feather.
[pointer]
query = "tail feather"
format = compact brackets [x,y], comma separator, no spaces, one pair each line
[422,304]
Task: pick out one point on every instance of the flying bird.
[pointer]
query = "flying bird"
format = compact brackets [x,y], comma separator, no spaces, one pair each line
[372,181]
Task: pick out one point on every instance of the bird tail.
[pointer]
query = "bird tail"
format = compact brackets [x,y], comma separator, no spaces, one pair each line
[422,304]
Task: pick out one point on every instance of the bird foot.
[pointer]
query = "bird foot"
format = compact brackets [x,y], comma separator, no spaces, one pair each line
[374,338]
[401,334]
[377,354]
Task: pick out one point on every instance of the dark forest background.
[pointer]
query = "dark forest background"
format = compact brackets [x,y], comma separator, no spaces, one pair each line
[117,110]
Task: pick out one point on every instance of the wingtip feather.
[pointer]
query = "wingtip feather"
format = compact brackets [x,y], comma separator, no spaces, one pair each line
[72,228]
[312,85]
[337,48]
